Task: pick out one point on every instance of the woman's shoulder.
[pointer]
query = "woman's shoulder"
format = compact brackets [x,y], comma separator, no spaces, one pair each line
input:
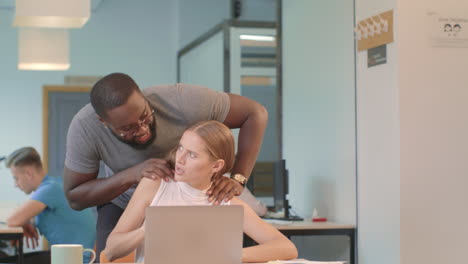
[147,188]
[147,183]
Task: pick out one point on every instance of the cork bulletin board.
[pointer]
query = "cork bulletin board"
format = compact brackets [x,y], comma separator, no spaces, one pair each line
[375,31]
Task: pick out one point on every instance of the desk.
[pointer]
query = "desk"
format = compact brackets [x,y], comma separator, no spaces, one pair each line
[299,260]
[308,228]
[13,233]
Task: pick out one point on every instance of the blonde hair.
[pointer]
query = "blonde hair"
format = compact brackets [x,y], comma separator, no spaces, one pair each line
[219,143]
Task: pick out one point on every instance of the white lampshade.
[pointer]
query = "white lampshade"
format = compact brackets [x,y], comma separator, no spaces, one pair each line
[43,49]
[52,13]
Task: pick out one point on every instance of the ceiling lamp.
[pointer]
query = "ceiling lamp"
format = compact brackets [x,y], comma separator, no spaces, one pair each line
[52,13]
[257,37]
[43,49]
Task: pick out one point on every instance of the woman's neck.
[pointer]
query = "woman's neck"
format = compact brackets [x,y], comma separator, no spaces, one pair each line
[201,185]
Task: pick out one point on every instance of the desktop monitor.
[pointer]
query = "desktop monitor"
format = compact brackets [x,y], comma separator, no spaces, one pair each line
[269,183]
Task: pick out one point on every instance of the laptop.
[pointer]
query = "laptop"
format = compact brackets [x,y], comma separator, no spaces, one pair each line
[194,234]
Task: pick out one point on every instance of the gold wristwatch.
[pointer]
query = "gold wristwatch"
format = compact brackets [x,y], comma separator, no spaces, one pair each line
[239,178]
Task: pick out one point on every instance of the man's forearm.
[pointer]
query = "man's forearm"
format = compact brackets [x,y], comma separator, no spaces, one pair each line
[99,191]
[25,213]
[250,142]
[12,222]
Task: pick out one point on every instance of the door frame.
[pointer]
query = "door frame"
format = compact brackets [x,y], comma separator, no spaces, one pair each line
[46,89]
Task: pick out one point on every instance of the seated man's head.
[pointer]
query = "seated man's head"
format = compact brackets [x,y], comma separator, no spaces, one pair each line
[26,167]
[122,108]
[205,152]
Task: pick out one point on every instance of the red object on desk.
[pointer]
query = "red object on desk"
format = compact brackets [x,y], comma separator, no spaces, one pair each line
[321,219]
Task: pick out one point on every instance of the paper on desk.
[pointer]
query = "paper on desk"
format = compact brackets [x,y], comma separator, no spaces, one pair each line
[277,221]
[301,261]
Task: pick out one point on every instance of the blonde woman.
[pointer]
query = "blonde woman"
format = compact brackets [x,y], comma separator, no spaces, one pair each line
[204,154]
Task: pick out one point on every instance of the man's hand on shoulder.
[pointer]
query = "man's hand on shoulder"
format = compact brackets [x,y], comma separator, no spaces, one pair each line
[154,169]
[224,188]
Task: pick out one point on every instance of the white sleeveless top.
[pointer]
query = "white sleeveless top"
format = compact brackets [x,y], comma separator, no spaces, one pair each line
[176,194]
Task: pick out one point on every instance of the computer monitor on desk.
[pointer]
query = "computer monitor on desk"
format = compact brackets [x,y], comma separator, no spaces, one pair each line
[269,182]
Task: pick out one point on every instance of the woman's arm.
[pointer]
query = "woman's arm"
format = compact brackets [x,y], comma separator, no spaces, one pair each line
[129,232]
[272,245]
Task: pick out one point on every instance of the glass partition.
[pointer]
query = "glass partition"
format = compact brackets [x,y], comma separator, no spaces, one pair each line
[240,57]
[203,64]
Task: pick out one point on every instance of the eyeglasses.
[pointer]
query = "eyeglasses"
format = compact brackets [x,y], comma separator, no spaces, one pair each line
[135,128]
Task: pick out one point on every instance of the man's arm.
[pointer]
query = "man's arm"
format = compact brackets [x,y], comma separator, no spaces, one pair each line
[25,212]
[23,217]
[84,190]
[251,117]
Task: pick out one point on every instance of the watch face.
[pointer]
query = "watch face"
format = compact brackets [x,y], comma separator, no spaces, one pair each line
[240,178]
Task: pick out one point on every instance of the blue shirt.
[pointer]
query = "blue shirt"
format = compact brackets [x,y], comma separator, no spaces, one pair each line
[59,223]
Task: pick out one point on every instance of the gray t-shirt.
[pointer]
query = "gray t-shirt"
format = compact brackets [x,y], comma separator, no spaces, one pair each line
[176,108]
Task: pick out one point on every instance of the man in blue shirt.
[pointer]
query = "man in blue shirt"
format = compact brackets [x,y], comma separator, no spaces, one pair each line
[47,205]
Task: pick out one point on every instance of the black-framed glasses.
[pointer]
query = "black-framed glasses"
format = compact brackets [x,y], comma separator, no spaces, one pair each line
[134,129]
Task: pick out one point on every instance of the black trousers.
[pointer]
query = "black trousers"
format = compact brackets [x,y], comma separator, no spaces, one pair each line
[108,216]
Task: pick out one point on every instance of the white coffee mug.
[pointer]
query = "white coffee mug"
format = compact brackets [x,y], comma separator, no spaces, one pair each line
[70,254]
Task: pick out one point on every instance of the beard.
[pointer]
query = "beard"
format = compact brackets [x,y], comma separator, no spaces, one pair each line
[136,145]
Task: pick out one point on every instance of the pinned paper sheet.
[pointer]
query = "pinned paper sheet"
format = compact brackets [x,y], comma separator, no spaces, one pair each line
[448,29]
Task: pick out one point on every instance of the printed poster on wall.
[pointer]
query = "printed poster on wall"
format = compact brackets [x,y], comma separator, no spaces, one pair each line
[448,30]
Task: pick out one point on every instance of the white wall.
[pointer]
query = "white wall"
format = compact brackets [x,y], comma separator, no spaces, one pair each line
[318,107]
[197,17]
[378,150]
[434,145]
[204,64]
[262,10]
[319,114]
[20,104]
[412,142]
[137,37]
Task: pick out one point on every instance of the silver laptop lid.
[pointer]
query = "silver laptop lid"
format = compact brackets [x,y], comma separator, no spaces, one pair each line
[194,234]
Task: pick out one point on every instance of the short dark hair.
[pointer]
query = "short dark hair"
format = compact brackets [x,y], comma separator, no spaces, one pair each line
[112,91]
[23,157]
